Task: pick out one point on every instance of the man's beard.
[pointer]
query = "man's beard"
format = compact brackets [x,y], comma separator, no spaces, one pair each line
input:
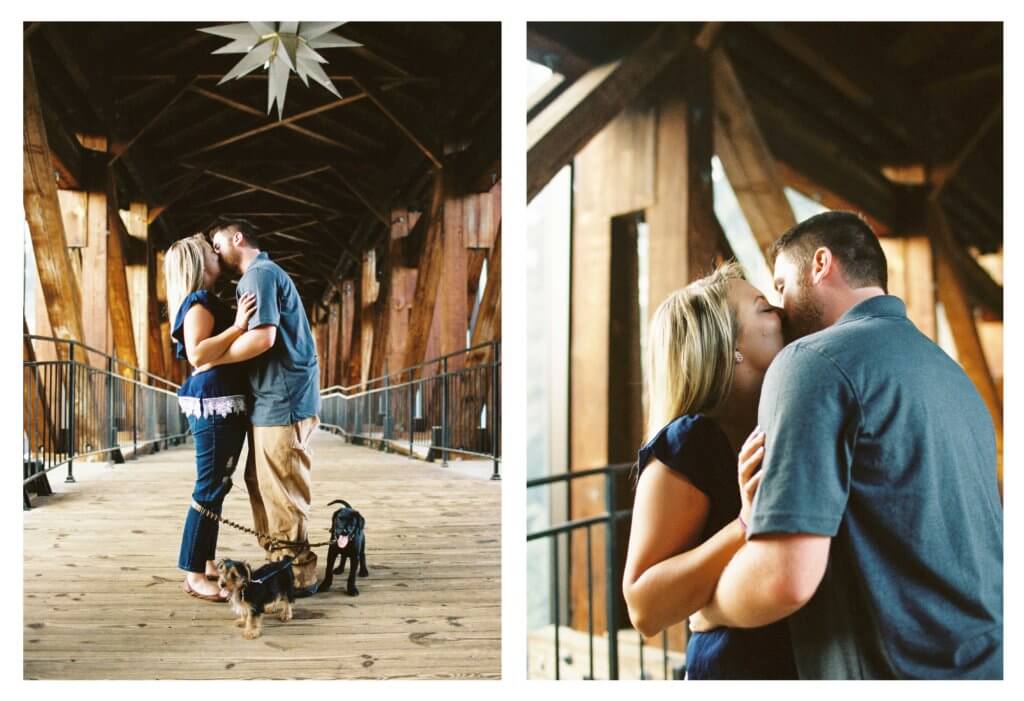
[805,315]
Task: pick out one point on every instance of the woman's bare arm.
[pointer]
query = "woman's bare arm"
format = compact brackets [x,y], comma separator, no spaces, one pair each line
[200,347]
[666,578]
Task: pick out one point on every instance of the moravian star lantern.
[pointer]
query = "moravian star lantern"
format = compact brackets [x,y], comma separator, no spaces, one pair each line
[280,47]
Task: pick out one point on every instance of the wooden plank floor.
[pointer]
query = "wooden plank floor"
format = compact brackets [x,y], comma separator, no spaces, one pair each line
[103,595]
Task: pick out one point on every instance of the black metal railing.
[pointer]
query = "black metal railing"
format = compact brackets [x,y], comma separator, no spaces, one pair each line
[89,403]
[610,521]
[450,404]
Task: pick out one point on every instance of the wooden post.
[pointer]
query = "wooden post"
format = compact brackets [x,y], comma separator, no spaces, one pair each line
[911,278]
[453,306]
[370,291]
[121,328]
[137,269]
[428,278]
[350,325]
[42,211]
[952,294]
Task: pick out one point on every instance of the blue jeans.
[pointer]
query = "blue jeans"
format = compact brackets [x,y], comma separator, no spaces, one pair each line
[218,442]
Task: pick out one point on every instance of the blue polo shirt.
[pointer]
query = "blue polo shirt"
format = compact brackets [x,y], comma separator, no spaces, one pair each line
[879,440]
[285,381]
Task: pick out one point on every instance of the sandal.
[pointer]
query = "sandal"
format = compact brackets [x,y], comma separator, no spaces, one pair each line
[216,598]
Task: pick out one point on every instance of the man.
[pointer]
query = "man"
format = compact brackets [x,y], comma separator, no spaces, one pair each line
[285,379]
[877,523]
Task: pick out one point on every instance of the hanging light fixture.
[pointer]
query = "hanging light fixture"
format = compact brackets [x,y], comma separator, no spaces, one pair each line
[279,48]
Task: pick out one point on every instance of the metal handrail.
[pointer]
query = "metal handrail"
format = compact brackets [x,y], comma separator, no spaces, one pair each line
[610,519]
[450,403]
[75,410]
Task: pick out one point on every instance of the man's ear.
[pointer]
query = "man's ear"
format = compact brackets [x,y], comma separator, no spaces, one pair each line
[822,265]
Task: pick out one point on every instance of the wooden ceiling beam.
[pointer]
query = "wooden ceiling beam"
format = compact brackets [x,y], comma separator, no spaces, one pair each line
[242,107]
[283,122]
[263,188]
[414,132]
[944,173]
[362,198]
[280,181]
[560,131]
[120,149]
[746,158]
[546,51]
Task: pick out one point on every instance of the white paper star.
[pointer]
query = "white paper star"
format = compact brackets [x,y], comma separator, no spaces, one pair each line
[280,47]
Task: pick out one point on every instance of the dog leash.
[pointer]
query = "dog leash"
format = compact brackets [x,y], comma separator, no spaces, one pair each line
[275,543]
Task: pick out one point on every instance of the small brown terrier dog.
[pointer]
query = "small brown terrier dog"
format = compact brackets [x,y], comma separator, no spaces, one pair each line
[252,592]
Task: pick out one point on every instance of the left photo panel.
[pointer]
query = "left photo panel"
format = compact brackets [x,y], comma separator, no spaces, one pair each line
[262,350]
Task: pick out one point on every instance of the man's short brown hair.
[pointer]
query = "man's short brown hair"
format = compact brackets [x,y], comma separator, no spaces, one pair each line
[848,236]
[249,232]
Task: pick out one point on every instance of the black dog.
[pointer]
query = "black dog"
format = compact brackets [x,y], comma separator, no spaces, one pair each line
[252,591]
[347,540]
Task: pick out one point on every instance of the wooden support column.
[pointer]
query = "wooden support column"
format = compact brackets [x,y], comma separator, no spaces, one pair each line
[745,156]
[488,321]
[368,299]
[330,327]
[350,327]
[163,315]
[953,295]
[664,177]
[95,312]
[911,278]
[42,211]
[137,270]
[428,278]
[121,328]
[453,305]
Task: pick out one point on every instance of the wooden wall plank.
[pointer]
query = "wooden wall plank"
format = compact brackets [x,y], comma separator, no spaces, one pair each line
[95,315]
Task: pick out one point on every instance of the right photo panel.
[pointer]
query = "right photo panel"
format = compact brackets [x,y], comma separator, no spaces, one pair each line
[765,350]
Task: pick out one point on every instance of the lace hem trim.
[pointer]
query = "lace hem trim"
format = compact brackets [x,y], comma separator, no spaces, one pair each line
[210,406]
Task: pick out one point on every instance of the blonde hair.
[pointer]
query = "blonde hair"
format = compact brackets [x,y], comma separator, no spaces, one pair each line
[184,269]
[691,343]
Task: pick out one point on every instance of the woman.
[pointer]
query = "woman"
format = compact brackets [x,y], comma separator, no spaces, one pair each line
[709,347]
[214,401]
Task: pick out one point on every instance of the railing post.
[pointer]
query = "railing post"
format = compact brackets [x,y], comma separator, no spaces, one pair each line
[412,415]
[386,430]
[612,601]
[71,412]
[135,416]
[444,412]
[110,402]
[495,411]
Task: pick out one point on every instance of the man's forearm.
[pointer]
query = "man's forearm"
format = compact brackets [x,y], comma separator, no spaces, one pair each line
[248,345]
[755,589]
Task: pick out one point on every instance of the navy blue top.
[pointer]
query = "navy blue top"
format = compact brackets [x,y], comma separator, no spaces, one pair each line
[695,447]
[220,380]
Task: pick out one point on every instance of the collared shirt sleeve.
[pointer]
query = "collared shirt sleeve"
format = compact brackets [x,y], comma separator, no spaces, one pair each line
[263,283]
[810,415]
